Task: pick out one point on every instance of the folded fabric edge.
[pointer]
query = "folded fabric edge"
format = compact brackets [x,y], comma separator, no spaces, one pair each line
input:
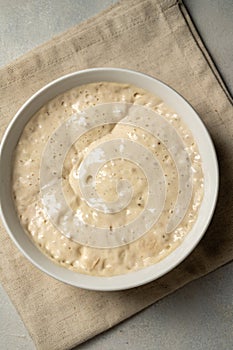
[92,336]
[81,26]
[201,45]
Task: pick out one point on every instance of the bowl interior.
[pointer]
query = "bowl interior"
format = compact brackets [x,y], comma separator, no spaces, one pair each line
[174,100]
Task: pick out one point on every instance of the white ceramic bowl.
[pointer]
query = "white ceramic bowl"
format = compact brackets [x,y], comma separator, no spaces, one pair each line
[206,149]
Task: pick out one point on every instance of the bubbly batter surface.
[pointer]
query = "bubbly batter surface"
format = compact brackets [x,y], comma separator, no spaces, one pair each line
[182,177]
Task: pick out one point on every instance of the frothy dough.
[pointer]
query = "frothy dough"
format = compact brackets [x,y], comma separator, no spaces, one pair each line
[152,246]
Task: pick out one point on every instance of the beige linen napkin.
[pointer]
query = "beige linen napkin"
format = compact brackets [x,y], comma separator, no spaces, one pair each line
[155,37]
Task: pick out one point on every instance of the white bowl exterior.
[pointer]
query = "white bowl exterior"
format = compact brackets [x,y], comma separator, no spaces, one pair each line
[174,100]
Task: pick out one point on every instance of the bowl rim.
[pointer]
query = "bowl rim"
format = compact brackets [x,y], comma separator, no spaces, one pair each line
[132,279]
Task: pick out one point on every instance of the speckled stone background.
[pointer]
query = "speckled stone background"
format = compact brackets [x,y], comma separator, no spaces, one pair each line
[200,315]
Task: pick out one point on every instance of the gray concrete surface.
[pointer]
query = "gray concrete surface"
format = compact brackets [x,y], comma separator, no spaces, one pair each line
[200,315]
[214,22]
